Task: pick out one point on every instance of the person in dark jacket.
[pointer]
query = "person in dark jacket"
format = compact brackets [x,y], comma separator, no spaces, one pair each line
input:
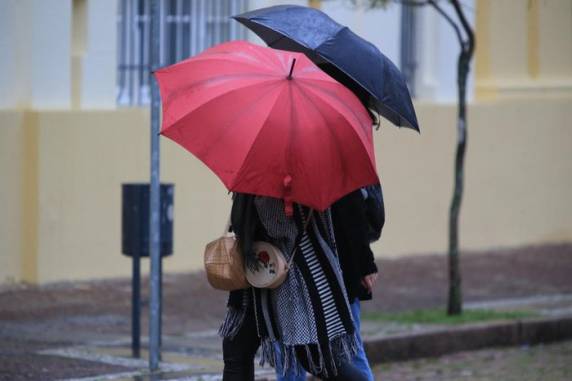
[355,221]
[358,219]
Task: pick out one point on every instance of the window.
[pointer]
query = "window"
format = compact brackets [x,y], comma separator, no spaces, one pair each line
[187,27]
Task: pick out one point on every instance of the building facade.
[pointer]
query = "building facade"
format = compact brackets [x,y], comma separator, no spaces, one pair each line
[74,126]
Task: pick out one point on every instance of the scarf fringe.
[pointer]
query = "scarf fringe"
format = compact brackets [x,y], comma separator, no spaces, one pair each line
[268,353]
[343,347]
[232,322]
[315,367]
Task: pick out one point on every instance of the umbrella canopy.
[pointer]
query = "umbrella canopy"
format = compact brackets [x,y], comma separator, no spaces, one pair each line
[344,55]
[270,123]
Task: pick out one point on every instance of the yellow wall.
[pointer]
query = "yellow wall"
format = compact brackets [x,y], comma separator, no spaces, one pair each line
[524,48]
[517,177]
[71,182]
[518,186]
[10,199]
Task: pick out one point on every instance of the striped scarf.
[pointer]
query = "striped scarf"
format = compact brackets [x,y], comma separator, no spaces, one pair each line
[308,317]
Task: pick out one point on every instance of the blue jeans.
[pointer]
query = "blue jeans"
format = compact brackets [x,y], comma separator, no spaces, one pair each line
[359,361]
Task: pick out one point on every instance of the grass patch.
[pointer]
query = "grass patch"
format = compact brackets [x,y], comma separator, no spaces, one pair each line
[434,316]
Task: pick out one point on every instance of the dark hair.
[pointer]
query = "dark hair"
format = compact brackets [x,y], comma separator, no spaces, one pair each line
[359,91]
[246,225]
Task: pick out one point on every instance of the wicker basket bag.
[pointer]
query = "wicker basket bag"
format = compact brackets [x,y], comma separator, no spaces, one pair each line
[224,265]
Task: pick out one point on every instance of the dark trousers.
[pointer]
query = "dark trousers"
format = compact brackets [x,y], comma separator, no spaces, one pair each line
[238,352]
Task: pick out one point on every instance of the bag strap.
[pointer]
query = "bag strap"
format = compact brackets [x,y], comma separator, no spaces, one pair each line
[294,251]
[226,232]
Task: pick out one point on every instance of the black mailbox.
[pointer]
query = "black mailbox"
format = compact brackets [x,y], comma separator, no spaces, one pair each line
[135,222]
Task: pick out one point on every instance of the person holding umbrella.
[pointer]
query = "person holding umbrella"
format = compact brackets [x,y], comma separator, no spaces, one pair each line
[379,85]
[287,139]
[311,303]
[358,220]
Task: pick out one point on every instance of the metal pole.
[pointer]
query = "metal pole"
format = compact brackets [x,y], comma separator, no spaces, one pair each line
[136,306]
[155,279]
[160,324]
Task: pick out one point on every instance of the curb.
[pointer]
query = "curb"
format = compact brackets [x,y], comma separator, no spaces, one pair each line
[468,338]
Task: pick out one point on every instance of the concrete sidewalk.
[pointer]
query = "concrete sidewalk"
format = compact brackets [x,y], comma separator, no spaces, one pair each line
[197,355]
[80,331]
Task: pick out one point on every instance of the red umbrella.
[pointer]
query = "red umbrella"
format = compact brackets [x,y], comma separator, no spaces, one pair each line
[269,122]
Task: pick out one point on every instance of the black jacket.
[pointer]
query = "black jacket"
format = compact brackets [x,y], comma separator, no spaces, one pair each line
[352,241]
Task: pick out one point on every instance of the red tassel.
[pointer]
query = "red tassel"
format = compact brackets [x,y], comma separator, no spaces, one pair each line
[288,208]
[288,204]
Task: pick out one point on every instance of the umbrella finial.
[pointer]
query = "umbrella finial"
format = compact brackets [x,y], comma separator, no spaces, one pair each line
[291,69]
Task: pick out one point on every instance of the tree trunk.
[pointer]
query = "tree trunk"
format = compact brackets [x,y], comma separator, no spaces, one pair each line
[467,43]
[455,301]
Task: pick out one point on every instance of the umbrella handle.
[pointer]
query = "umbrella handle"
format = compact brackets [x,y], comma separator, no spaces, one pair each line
[227,232]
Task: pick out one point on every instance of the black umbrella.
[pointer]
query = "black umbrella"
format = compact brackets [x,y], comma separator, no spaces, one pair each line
[341,53]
